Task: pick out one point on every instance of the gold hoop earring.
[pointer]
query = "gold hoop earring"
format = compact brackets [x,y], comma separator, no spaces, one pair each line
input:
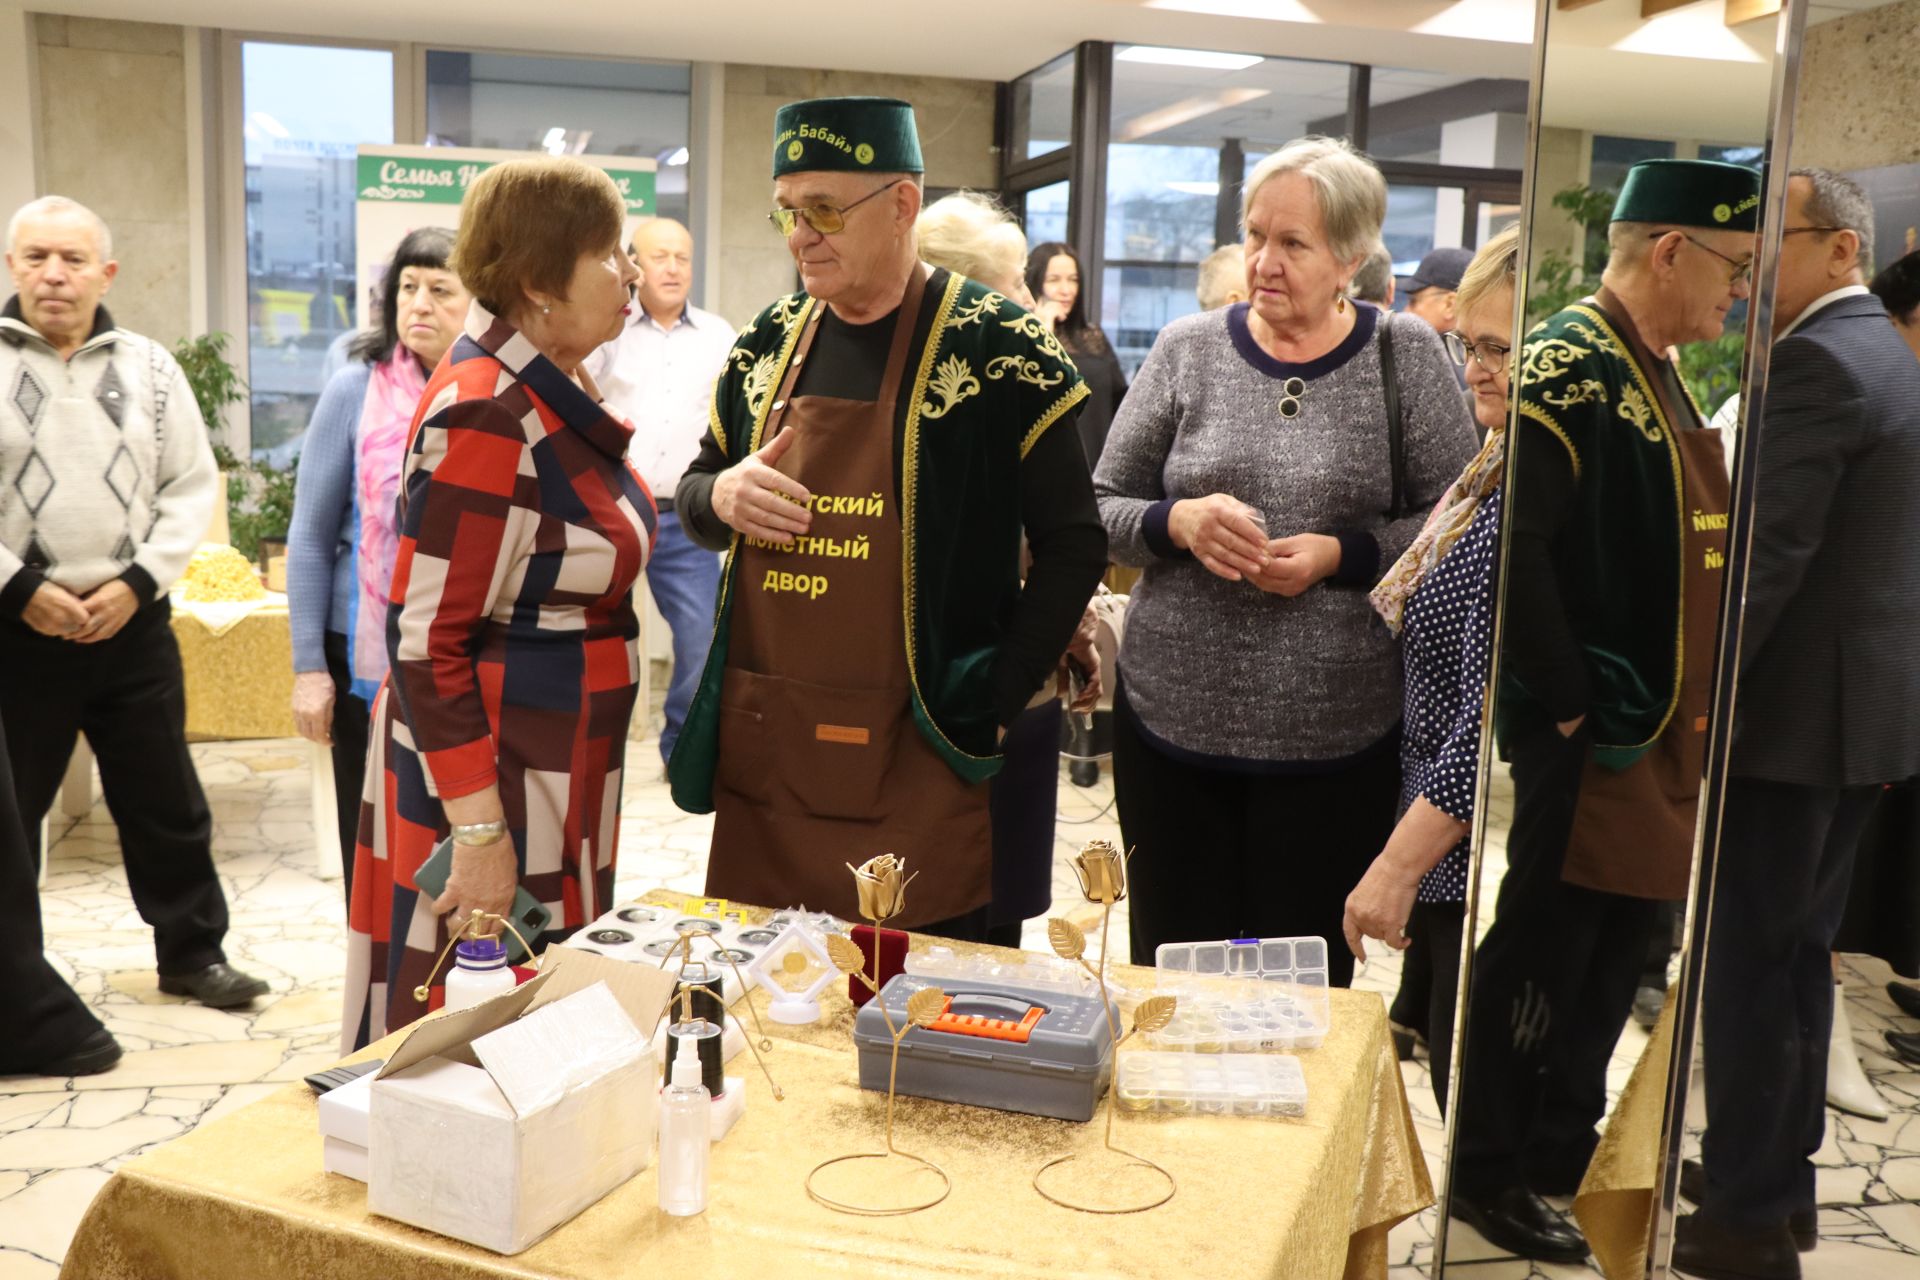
[1340,304]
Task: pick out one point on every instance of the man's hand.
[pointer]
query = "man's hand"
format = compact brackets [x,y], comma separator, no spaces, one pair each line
[313,706]
[758,501]
[108,607]
[55,611]
[1220,531]
[1298,563]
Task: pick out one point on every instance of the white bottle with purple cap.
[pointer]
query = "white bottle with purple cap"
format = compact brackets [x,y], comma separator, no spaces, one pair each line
[479,973]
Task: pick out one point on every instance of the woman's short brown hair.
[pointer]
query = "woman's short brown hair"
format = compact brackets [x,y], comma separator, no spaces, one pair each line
[525,223]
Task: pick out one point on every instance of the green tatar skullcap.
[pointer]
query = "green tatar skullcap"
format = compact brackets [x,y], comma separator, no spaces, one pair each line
[858,135]
[1690,193]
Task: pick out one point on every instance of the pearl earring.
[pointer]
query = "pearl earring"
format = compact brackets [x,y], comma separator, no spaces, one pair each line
[546,311]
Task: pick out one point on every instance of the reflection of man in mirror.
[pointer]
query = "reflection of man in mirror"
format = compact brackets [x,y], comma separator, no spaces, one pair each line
[1828,712]
[1617,531]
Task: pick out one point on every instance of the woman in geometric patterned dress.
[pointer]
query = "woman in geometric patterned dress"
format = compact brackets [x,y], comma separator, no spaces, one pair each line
[510,629]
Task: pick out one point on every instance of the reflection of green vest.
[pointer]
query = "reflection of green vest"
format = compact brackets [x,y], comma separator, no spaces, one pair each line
[1617,559]
[990,382]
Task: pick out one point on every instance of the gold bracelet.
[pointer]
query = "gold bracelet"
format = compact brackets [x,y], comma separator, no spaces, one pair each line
[474,835]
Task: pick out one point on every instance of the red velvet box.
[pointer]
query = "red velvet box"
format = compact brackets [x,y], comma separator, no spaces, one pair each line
[893,959]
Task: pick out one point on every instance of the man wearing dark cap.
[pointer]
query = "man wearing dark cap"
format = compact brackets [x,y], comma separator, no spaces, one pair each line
[1617,531]
[879,445]
[1431,288]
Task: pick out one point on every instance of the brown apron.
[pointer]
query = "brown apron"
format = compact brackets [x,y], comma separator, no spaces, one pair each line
[821,763]
[1633,829]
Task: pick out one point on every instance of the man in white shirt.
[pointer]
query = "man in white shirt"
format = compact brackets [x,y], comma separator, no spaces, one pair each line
[659,375]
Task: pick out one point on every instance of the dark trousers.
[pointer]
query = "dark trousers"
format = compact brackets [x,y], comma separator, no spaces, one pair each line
[350,720]
[1235,855]
[1436,928]
[1553,983]
[127,695]
[44,1019]
[1780,889]
[1415,993]
[1023,803]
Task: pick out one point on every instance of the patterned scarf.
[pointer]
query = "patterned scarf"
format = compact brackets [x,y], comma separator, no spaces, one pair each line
[386,420]
[1443,528]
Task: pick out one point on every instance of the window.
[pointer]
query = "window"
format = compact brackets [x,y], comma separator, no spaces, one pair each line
[569,106]
[1612,157]
[1046,213]
[1746,155]
[304,110]
[1433,118]
[1042,107]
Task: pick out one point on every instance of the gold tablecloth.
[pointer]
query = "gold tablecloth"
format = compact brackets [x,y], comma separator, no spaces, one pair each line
[1300,1199]
[1615,1205]
[239,682]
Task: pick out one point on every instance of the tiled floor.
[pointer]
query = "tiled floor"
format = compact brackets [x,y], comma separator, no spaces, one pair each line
[185,1065]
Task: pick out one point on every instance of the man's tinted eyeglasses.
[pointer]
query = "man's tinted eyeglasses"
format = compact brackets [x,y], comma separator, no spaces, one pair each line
[824,218]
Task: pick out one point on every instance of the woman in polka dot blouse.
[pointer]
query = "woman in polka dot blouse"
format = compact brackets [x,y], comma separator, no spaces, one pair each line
[1439,597]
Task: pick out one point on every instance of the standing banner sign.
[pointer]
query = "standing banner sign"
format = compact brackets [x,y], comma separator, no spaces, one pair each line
[401,189]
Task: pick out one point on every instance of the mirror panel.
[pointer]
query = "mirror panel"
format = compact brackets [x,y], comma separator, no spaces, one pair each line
[1612,575]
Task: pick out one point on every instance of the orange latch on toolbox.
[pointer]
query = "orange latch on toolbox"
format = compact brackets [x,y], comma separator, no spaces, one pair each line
[968,1024]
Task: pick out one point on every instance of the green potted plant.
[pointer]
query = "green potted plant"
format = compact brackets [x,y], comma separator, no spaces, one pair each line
[259,495]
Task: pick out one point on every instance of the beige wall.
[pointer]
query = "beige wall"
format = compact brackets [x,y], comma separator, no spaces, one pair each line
[956,137]
[1859,80]
[113,135]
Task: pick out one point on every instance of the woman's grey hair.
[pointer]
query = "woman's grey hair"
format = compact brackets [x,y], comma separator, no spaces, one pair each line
[969,233]
[56,205]
[1374,280]
[1838,201]
[1221,273]
[1351,193]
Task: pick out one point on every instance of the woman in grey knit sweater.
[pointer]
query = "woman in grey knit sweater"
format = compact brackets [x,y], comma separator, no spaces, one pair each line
[1250,471]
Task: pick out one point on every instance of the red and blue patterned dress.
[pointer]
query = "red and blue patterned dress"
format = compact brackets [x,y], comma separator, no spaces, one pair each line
[514,654]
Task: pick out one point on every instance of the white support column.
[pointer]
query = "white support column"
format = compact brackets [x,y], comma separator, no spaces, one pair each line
[705,145]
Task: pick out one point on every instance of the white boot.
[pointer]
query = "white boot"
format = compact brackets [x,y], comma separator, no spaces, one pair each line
[1848,1088]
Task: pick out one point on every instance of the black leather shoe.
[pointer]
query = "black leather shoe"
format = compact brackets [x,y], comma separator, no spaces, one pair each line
[97,1053]
[1706,1250]
[1905,1045]
[1907,996]
[1520,1222]
[1405,1041]
[218,986]
[1802,1224]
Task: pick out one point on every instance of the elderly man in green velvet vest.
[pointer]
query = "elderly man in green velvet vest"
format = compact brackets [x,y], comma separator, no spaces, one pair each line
[1617,501]
[881,445]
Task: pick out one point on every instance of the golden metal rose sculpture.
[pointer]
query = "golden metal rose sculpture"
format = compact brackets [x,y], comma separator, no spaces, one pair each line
[1102,873]
[882,885]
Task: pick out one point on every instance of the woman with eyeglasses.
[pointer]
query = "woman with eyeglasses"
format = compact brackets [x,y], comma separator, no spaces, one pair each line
[1439,598]
[1253,471]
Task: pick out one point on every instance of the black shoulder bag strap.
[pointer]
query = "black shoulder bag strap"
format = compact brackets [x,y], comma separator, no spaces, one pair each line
[1396,444]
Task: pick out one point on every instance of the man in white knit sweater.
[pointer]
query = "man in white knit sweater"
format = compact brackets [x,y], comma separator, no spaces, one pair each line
[106,487]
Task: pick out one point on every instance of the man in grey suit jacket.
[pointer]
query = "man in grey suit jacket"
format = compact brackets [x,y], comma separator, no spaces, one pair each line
[1828,710]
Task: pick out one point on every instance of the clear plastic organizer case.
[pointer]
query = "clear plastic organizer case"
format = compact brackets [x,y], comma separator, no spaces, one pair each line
[1221,1084]
[1244,996]
[1034,972]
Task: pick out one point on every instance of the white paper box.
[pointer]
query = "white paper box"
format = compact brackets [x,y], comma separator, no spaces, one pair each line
[497,1124]
[344,1120]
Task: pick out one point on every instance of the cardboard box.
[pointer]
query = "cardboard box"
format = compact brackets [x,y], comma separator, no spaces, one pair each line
[344,1120]
[497,1124]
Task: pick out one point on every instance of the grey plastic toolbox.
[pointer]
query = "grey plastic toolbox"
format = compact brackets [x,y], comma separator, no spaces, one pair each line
[1010,1048]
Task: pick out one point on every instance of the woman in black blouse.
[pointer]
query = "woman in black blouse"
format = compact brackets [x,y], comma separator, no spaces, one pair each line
[1439,597]
[1053,277]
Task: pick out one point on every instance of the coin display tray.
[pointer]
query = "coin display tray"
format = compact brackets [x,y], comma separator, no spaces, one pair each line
[645,934]
[1243,996]
[1217,1084]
